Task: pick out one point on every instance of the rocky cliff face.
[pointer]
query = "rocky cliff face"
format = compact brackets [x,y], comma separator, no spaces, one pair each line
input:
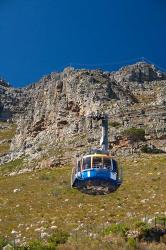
[51,115]
[12,102]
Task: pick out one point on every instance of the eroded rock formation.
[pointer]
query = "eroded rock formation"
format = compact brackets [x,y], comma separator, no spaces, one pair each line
[51,115]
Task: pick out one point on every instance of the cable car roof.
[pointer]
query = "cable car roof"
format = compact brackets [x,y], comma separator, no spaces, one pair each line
[97,155]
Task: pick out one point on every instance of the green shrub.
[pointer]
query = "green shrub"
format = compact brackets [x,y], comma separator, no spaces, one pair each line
[142,226]
[39,245]
[150,150]
[11,166]
[139,224]
[117,229]
[135,134]
[22,248]
[144,230]
[3,242]
[58,237]
[36,245]
[161,220]
[131,243]
[115,124]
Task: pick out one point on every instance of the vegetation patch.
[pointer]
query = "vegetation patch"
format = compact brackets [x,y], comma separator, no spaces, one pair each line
[11,166]
[117,229]
[135,134]
[150,150]
[7,132]
[114,124]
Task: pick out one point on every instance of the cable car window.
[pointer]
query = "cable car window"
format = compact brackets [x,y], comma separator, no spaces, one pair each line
[97,162]
[78,166]
[115,167]
[107,163]
[86,163]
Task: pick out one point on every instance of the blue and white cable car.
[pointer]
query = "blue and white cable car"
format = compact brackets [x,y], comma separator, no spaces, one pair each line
[97,172]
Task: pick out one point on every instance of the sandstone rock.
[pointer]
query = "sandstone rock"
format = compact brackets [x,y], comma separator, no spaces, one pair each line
[140,72]
[51,115]
[15,191]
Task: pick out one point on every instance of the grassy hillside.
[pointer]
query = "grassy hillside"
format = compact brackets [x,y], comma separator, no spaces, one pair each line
[33,205]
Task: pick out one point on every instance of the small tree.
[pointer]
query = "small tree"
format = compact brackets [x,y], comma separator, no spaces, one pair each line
[135,134]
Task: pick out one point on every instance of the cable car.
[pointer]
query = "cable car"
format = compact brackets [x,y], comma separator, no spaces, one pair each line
[97,172]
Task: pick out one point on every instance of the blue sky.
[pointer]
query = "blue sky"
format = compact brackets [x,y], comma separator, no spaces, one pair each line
[41,36]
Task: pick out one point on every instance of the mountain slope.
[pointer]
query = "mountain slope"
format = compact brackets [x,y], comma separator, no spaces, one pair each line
[51,115]
[44,125]
[43,200]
